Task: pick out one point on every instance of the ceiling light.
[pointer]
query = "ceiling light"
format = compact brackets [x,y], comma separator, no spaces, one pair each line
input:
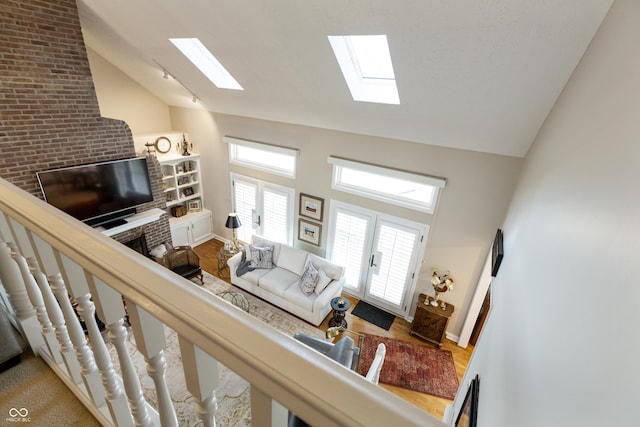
[365,62]
[200,56]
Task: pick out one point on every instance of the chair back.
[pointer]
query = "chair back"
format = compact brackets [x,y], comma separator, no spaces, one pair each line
[179,256]
[373,374]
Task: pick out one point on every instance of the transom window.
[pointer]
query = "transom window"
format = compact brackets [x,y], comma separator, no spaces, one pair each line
[407,189]
[269,158]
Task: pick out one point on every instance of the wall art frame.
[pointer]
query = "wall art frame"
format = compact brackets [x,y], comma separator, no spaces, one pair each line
[309,232]
[497,253]
[311,207]
[468,415]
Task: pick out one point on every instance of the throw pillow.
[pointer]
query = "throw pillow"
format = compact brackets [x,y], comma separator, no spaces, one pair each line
[323,282]
[158,251]
[261,257]
[309,279]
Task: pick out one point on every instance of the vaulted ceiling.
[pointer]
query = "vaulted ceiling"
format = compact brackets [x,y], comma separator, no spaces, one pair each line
[479,75]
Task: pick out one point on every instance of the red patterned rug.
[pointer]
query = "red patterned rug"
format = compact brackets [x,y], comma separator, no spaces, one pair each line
[412,366]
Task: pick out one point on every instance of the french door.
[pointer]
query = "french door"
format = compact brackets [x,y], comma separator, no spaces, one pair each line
[380,253]
[264,209]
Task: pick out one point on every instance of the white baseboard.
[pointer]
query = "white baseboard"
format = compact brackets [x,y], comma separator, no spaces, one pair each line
[452,337]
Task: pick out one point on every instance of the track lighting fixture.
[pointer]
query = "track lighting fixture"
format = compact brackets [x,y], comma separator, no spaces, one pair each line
[167,74]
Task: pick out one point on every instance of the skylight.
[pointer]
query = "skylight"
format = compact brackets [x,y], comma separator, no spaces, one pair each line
[365,62]
[200,56]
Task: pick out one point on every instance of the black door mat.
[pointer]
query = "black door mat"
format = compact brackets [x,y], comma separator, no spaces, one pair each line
[373,315]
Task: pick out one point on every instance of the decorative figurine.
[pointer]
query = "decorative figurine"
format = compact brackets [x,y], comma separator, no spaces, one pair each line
[150,150]
[185,146]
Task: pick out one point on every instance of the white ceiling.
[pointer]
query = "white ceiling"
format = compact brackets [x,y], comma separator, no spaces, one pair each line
[479,75]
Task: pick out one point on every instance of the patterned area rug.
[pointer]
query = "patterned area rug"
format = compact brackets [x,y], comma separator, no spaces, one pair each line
[412,366]
[233,393]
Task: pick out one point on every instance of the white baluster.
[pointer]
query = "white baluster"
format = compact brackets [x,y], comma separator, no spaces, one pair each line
[75,274]
[111,311]
[116,399]
[57,319]
[35,296]
[17,294]
[202,378]
[150,341]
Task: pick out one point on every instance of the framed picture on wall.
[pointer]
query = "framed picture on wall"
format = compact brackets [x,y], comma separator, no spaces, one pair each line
[497,253]
[309,232]
[468,415]
[311,206]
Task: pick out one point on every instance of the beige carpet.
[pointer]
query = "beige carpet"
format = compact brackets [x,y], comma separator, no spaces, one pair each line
[233,393]
[35,390]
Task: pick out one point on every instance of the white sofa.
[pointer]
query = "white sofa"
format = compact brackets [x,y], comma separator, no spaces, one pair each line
[280,285]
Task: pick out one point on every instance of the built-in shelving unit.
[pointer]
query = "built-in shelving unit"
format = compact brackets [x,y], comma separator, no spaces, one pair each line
[190,222]
[181,180]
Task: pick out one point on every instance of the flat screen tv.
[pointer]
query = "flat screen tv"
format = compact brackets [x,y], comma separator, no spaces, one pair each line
[99,194]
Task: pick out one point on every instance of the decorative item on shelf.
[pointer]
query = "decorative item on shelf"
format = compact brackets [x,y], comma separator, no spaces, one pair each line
[188,192]
[233,222]
[194,205]
[178,211]
[185,146]
[162,144]
[150,149]
[441,283]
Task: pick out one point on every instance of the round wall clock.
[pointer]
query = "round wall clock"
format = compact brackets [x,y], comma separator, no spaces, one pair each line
[163,144]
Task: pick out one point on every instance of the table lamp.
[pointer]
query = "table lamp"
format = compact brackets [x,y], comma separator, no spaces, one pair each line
[233,222]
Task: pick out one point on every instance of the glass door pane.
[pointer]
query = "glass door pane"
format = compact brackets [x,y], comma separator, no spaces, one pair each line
[393,261]
[276,208]
[245,197]
[350,246]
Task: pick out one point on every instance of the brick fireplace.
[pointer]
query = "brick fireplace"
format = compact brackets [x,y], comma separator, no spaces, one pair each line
[49,113]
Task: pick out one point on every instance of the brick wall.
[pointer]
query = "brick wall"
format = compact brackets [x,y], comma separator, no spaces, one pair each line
[49,113]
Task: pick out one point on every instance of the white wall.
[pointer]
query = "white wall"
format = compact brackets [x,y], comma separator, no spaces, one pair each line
[122,98]
[560,347]
[471,207]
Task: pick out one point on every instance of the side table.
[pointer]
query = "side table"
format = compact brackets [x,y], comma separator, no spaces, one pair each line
[429,322]
[223,256]
[340,306]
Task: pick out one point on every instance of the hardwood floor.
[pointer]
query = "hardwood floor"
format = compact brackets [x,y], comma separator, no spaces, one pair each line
[399,330]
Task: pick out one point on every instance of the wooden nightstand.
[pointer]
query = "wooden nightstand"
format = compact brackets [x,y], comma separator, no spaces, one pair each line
[429,322]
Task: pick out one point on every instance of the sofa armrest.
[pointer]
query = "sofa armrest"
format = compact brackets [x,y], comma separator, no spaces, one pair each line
[233,265]
[333,290]
[235,260]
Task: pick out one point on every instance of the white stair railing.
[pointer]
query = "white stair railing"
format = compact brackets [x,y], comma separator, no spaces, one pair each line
[47,259]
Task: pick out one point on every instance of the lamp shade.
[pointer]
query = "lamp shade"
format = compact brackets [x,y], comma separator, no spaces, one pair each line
[233,221]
